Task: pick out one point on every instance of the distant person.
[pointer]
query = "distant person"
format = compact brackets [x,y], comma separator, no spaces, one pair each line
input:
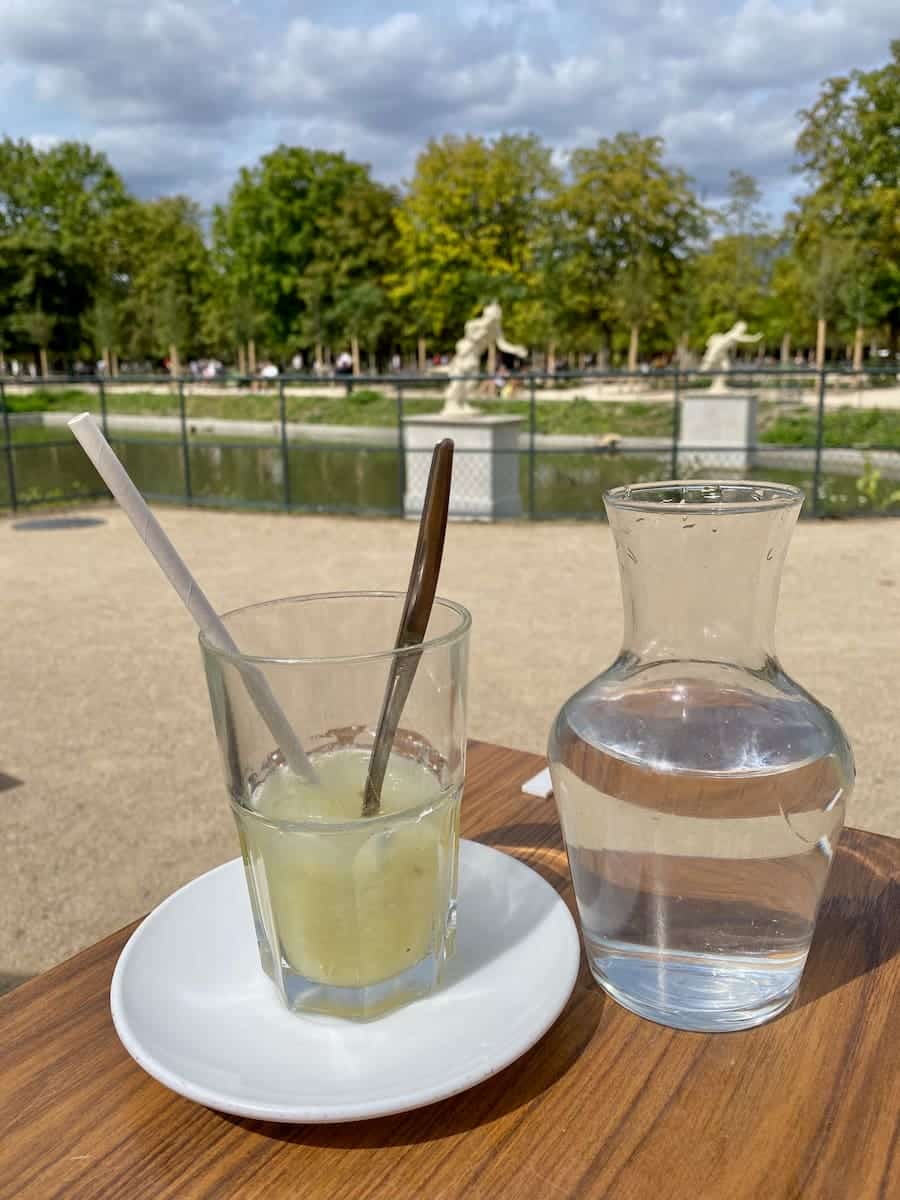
[396,363]
[344,364]
[511,386]
[297,362]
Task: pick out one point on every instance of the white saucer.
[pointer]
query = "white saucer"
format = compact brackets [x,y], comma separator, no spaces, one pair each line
[192,1006]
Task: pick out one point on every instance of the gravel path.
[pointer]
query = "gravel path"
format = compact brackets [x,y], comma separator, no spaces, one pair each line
[104,717]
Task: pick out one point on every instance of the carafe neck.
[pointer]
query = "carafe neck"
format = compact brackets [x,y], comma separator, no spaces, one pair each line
[700,578]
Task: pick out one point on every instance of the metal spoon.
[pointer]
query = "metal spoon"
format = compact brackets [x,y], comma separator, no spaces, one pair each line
[420,593]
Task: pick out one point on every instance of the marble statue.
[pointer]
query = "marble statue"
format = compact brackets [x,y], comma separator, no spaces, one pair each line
[480,333]
[718,351]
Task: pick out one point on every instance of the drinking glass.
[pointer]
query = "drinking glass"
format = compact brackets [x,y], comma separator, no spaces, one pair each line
[354,915]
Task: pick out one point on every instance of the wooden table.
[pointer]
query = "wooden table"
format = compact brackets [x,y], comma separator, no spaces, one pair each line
[605,1105]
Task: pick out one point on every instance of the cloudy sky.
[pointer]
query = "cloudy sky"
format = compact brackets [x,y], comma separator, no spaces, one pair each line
[179,93]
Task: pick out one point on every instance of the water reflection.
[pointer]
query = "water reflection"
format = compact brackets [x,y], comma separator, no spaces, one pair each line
[336,478]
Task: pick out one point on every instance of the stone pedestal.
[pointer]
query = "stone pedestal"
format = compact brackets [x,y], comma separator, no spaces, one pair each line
[485,464]
[710,420]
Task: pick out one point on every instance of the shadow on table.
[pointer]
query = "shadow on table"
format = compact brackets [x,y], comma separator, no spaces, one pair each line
[858,928]
[512,1088]
[538,843]
[10,980]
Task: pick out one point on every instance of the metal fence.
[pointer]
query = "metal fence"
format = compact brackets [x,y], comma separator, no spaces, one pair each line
[303,444]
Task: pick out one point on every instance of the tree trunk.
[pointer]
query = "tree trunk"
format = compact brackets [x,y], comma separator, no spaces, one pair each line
[858,348]
[421,356]
[633,347]
[785,349]
[318,358]
[174,365]
[114,364]
[251,356]
[821,327]
[373,367]
[327,356]
[551,358]
[681,351]
[354,352]
[107,362]
[242,360]
[45,369]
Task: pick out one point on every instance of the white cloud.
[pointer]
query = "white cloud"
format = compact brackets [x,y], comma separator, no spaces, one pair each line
[178,91]
[766,45]
[131,62]
[159,161]
[44,141]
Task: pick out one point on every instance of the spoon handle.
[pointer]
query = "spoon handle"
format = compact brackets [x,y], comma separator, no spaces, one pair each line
[414,621]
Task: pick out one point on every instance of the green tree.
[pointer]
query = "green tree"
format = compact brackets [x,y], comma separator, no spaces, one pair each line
[860,302]
[108,323]
[105,326]
[38,327]
[630,220]
[734,271]
[299,230]
[638,292]
[827,272]
[170,280]
[361,314]
[54,205]
[787,310]
[470,225]
[850,154]
[355,250]
[543,315]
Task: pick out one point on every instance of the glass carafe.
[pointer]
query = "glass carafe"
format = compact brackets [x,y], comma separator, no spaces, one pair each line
[701,791]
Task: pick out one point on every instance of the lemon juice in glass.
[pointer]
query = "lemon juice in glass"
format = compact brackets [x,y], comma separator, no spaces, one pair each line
[354,915]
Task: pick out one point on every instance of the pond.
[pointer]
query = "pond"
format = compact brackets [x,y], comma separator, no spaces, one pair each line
[340,478]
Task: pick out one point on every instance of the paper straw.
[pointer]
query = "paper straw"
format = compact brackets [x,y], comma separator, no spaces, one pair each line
[119,482]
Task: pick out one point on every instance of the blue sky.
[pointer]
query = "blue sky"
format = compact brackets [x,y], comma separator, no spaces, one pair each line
[180,93]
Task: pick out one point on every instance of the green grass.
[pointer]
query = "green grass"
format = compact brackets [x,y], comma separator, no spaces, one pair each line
[361,407]
[580,416]
[49,400]
[843,427]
